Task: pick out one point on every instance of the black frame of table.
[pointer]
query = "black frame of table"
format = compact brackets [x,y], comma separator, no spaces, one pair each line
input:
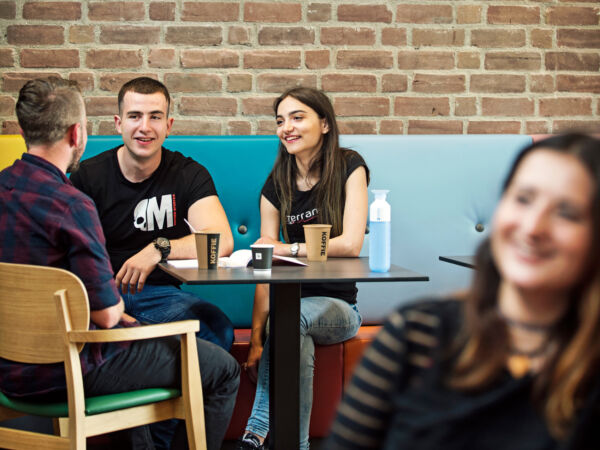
[284,299]
[464,260]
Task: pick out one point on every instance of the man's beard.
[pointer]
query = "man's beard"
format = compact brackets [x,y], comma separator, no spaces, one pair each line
[77,153]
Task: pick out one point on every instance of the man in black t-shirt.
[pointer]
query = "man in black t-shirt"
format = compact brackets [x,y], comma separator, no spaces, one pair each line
[143,192]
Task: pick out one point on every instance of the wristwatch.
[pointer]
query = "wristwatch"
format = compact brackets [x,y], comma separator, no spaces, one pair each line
[163,245]
[294,249]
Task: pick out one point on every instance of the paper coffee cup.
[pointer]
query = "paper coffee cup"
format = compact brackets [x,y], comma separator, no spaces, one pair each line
[207,249]
[262,256]
[317,241]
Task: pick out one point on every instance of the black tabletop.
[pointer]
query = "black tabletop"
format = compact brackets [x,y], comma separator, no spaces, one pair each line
[465,261]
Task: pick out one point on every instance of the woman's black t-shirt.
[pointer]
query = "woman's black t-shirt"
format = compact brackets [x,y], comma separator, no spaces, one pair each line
[303,212]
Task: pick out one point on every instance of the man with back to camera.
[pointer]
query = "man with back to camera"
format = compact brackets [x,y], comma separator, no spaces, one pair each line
[44,220]
[143,192]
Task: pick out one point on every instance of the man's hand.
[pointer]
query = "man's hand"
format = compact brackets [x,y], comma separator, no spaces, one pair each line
[251,364]
[136,269]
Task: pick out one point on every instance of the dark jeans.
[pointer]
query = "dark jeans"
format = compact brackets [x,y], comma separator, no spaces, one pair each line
[156,363]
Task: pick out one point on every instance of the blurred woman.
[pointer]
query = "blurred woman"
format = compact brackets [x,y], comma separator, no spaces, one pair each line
[516,363]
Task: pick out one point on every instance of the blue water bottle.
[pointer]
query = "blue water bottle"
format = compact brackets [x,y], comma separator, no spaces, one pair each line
[380,214]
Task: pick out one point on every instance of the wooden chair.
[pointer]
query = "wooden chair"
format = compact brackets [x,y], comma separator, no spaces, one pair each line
[44,318]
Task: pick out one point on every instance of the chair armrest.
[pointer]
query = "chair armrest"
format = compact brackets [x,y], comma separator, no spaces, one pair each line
[135,333]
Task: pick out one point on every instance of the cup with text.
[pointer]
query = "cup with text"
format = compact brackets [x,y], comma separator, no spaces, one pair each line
[262,257]
[207,249]
[317,241]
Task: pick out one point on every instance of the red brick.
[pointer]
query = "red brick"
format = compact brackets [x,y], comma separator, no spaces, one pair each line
[106,128]
[550,107]
[127,34]
[494,127]
[536,127]
[101,106]
[14,81]
[541,83]
[465,106]
[423,59]
[260,106]
[392,82]
[52,11]
[335,82]
[347,36]
[589,62]
[8,10]
[578,38]
[116,11]
[361,106]
[10,127]
[438,83]
[191,35]
[6,57]
[583,126]
[497,83]
[7,105]
[190,82]
[239,35]
[35,34]
[542,38]
[163,11]
[438,37]
[316,59]
[364,13]
[210,12]
[113,81]
[510,15]
[286,36]
[318,12]
[279,82]
[272,59]
[421,106]
[467,14]
[391,127]
[161,58]
[498,38]
[239,128]
[84,79]
[407,13]
[393,36]
[578,83]
[266,127]
[357,126]
[209,58]
[49,58]
[435,127]
[493,106]
[513,61]
[196,127]
[272,12]
[364,59]
[570,15]
[239,82]
[208,106]
[114,59]
[468,60]
[81,34]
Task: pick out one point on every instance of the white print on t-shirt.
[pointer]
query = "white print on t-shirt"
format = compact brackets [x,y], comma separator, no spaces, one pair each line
[302,217]
[147,215]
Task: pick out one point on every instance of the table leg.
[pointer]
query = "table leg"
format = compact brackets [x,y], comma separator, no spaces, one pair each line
[284,390]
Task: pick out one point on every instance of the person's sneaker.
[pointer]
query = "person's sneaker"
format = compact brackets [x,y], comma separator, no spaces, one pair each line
[249,442]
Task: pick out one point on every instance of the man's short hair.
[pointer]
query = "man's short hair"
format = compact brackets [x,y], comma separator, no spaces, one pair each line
[144,85]
[47,107]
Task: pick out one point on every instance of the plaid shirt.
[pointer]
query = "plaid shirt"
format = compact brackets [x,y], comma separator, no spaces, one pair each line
[46,221]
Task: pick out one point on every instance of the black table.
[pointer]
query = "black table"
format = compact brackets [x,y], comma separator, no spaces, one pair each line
[465,261]
[285,281]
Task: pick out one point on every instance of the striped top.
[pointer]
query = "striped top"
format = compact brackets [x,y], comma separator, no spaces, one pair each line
[398,398]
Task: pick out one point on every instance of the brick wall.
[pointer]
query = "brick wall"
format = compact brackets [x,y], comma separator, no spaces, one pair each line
[391,67]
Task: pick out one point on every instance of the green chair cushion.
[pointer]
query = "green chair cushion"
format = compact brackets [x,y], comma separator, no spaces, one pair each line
[93,405]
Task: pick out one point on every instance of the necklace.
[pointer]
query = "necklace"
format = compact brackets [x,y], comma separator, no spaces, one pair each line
[533,327]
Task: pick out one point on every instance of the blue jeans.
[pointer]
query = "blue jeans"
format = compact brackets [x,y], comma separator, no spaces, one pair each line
[323,320]
[167,303]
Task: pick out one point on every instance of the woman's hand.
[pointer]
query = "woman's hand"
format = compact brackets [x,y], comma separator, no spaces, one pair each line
[251,364]
[280,249]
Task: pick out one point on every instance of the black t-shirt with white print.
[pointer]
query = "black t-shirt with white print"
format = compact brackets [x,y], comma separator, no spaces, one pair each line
[303,212]
[134,214]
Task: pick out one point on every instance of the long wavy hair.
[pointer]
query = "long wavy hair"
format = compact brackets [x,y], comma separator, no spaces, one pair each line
[565,380]
[329,165]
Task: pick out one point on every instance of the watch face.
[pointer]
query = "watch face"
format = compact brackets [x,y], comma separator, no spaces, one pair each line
[163,242]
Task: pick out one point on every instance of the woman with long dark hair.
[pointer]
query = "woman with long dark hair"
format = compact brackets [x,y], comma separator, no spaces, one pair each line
[313,181]
[514,364]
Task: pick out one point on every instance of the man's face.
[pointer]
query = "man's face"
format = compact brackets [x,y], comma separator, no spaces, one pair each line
[143,124]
